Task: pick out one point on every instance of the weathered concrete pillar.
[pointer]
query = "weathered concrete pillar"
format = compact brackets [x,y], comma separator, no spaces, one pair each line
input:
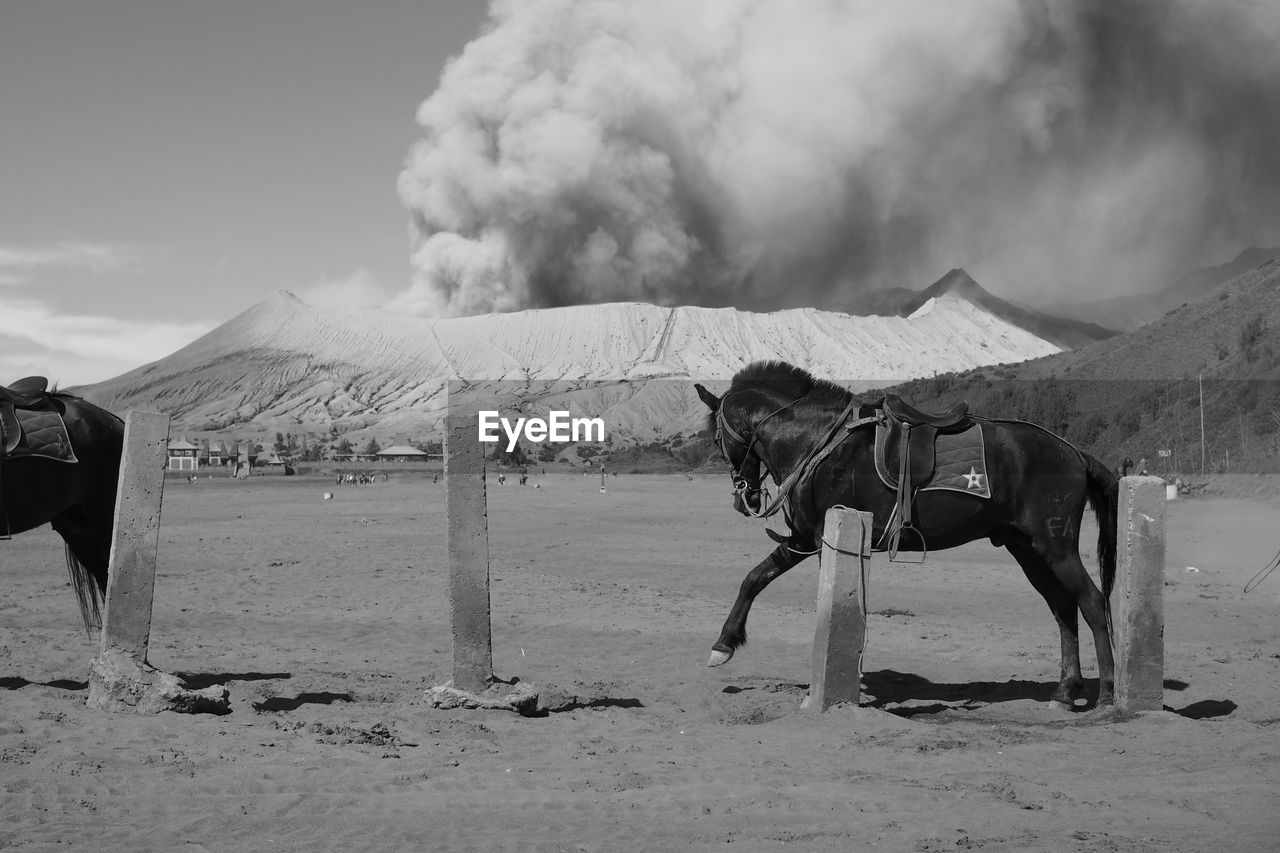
[842,609]
[135,539]
[467,517]
[120,678]
[1137,604]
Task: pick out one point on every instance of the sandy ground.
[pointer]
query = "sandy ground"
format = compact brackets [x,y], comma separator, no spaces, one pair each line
[328,619]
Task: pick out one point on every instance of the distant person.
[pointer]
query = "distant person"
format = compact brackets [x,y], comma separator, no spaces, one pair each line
[1142,466]
[435,478]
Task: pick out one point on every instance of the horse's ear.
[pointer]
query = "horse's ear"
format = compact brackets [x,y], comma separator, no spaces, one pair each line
[712,401]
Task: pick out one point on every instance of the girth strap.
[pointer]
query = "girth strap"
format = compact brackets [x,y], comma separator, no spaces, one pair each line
[10,428]
[904,477]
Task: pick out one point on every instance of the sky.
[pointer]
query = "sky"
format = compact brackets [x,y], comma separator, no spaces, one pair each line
[167,164]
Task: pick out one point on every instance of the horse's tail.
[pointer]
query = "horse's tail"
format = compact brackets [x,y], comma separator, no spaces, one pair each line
[1103,489]
[86,589]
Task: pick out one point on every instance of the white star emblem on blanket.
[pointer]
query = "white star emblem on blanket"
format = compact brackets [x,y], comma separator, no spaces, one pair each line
[974,479]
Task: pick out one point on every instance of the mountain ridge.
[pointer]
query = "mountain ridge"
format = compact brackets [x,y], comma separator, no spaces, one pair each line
[284,365]
[1065,332]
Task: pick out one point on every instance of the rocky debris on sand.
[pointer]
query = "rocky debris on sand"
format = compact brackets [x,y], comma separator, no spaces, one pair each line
[120,682]
[522,698]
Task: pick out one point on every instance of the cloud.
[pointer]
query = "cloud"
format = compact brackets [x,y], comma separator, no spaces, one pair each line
[783,152]
[17,262]
[81,349]
[358,290]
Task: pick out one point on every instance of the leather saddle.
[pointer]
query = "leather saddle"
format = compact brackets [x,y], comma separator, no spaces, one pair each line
[908,447]
[30,394]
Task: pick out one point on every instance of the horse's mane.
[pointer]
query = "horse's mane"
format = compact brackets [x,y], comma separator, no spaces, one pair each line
[785,381]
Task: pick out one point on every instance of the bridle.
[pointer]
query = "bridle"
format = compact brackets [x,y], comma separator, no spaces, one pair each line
[803,470]
[741,487]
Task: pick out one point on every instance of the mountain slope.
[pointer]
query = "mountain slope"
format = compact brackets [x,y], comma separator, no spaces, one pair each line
[284,365]
[1126,313]
[1138,393]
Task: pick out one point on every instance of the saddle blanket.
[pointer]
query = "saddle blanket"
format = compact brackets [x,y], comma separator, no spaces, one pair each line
[43,434]
[960,463]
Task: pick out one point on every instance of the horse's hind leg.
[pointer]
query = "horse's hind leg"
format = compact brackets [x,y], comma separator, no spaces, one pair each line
[1072,575]
[1062,603]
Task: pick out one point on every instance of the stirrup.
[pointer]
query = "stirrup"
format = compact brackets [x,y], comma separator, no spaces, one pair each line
[896,536]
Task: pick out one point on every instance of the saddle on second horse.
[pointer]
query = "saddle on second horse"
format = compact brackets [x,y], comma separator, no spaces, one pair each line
[31,423]
[907,441]
[28,411]
[30,394]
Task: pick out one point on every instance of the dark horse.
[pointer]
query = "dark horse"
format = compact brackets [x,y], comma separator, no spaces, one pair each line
[818,444]
[78,498]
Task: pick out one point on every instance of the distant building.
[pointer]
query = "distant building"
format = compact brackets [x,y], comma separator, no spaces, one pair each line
[214,453]
[183,456]
[402,453]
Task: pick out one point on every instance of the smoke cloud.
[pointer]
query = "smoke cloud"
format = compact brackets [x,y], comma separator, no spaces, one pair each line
[788,152]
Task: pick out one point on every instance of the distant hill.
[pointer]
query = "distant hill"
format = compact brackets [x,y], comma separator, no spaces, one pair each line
[285,366]
[1125,313]
[902,302]
[1138,393]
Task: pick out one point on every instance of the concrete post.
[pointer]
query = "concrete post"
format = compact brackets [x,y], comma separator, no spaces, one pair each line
[135,539]
[1137,605]
[842,609]
[120,678]
[467,517]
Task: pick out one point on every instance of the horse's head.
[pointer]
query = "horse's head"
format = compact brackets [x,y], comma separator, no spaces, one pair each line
[736,440]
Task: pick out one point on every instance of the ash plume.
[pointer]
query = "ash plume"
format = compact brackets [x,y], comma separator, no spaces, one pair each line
[787,152]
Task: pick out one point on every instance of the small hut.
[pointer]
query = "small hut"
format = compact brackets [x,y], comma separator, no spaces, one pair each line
[183,456]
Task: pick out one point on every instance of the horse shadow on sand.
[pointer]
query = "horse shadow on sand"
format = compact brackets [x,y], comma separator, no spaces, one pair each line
[890,690]
[901,693]
[906,694]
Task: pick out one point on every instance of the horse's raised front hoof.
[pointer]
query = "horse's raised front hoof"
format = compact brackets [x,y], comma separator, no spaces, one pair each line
[719,657]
